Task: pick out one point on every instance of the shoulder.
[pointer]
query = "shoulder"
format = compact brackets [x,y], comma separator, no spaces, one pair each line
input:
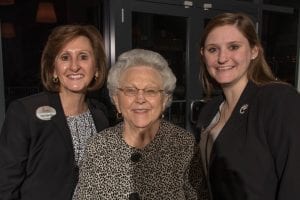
[278,92]
[43,96]
[208,111]
[175,132]
[108,135]
[30,102]
[277,103]
[212,103]
[278,89]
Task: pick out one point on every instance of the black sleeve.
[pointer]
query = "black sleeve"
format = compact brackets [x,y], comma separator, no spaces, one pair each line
[283,134]
[14,145]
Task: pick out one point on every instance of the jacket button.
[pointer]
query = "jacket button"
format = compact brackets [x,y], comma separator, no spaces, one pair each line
[135,157]
[134,196]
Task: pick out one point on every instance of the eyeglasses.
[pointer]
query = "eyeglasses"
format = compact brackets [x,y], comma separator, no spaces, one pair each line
[147,92]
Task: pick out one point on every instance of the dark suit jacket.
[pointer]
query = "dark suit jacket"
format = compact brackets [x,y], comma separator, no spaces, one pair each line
[36,156]
[256,155]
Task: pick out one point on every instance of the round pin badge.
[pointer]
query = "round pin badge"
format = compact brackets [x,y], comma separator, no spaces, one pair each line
[45,112]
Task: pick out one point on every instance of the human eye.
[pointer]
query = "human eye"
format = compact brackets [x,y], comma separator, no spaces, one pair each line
[64,57]
[211,49]
[83,56]
[130,91]
[234,47]
[151,92]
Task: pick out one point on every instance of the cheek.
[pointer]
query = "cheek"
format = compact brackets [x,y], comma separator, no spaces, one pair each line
[210,60]
[59,69]
[124,104]
[243,58]
[158,105]
[210,68]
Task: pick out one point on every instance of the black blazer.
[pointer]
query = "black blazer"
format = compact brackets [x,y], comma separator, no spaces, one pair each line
[36,156]
[256,155]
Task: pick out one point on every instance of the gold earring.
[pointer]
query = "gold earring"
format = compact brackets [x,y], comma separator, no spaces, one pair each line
[119,115]
[55,79]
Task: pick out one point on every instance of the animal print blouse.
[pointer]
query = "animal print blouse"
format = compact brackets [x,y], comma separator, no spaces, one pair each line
[167,168]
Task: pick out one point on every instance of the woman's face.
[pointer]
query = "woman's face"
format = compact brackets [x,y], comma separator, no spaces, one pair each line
[227,55]
[75,66]
[140,109]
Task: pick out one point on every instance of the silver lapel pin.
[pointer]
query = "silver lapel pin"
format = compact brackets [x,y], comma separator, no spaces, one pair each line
[243,108]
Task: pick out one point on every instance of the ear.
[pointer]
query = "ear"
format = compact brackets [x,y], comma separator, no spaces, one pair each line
[54,74]
[165,100]
[96,74]
[254,52]
[116,102]
[201,51]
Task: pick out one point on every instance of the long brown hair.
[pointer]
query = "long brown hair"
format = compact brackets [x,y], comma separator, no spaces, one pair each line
[259,71]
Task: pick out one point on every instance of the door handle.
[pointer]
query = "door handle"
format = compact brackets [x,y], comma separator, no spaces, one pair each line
[196,106]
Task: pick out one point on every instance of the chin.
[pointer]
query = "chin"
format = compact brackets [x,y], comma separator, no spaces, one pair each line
[143,124]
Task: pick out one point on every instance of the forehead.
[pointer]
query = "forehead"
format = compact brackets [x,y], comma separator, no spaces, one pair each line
[80,43]
[142,74]
[226,33]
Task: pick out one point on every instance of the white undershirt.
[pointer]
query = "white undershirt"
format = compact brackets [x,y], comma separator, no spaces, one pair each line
[208,137]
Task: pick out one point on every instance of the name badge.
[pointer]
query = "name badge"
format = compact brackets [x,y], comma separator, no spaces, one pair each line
[45,112]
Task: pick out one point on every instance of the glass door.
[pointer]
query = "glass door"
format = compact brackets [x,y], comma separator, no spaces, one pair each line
[168,36]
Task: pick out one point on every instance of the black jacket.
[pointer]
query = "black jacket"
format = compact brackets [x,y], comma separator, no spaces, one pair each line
[36,156]
[256,155]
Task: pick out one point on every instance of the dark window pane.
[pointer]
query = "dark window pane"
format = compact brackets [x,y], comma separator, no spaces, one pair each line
[166,35]
[280,43]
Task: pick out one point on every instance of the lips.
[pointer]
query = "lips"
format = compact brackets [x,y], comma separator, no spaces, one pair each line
[222,68]
[140,110]
[75,76]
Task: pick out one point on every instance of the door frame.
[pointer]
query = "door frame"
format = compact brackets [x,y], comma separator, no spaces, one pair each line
[2,97]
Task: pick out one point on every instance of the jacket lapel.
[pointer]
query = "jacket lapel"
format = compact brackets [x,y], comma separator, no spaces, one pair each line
[59,120]
[97,112]
[238,119]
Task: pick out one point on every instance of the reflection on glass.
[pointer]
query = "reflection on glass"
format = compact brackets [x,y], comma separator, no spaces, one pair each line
[290,3]
[279,36]
[167,36]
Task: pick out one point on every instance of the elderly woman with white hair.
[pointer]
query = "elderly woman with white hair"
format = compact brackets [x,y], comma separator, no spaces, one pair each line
[144,156]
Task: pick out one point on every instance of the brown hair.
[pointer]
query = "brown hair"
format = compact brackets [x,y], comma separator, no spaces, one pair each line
[259,71]
[58,38]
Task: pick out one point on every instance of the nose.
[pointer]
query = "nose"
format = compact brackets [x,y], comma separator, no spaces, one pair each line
[74,65]
[140,96]
[222,57]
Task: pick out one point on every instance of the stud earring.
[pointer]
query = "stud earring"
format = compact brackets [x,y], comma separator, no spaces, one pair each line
[119,115]
[55,79]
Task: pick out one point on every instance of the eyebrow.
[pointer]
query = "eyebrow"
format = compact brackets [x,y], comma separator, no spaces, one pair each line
[231,42]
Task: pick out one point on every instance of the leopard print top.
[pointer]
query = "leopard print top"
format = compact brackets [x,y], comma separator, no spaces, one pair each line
[167,168]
